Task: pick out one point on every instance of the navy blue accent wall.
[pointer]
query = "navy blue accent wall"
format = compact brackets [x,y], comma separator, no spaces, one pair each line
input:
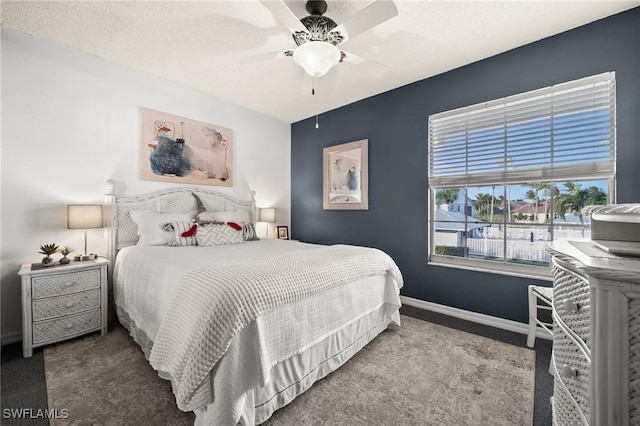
[396,125]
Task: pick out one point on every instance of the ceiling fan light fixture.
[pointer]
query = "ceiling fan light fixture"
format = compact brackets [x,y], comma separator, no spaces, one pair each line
[317,57]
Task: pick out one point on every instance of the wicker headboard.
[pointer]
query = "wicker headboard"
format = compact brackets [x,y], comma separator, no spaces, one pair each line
[122,231]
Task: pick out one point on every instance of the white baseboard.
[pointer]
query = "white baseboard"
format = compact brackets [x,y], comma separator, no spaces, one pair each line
[489,320]
[9,338]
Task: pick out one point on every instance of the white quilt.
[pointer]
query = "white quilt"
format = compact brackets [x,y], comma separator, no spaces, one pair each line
[146,277]
[218,300]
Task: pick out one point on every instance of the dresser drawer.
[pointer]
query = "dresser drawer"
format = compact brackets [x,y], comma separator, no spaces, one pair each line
[571,301]
[565,411]
[572,367]
[60,328]
[72,282]
[59,306]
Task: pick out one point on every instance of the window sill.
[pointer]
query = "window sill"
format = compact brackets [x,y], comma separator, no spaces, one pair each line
[531,272]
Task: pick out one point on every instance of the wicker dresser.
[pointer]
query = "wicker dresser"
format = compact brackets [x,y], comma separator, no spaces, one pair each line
[596,339]
[63,301]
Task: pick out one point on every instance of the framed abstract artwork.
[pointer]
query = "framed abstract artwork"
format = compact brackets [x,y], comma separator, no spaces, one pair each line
[346,176]
[182,150]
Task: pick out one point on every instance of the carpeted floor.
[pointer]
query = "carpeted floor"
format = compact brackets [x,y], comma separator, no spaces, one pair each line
[543,348]
[422,373]
[106,380]
[22,385]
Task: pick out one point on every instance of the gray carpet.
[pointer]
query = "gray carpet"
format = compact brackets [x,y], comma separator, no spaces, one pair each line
[422,373]
[105,380]
[544,381]
[22,386]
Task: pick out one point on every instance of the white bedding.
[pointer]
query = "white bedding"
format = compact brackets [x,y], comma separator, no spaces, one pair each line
[342,318]
[144,276]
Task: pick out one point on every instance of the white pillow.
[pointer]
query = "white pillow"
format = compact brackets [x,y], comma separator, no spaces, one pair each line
[223,216]
[151,226]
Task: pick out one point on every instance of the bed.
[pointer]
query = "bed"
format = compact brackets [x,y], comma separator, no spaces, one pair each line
[241,329]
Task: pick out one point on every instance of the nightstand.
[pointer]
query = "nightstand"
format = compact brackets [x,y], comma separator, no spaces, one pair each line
[62,301]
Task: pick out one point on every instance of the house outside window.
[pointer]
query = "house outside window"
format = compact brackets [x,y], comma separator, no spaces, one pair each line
[510,175]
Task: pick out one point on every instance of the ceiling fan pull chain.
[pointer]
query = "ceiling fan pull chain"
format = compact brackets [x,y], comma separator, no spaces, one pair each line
[313,92]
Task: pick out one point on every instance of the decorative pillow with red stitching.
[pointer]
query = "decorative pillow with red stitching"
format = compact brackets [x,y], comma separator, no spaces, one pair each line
[249,232]
[235,226]
[185,233]
[218,234]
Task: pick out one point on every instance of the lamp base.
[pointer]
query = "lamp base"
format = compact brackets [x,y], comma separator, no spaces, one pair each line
[84,257]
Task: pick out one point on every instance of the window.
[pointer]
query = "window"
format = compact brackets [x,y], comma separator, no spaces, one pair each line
[510,175]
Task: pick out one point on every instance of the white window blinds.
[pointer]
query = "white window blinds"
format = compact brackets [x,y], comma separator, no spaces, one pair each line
[562,131]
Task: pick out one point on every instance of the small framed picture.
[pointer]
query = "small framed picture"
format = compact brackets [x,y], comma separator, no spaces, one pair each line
[283,232]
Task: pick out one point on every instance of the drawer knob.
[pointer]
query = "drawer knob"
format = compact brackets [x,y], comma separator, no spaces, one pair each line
[69,305]
[571,306]
[569,372]
[68,326]
[70,283]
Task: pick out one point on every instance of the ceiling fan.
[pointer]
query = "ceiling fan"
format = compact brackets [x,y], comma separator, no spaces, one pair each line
[317,36]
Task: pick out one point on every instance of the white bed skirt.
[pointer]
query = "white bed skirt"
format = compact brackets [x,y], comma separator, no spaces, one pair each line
[288,379]
[293,376]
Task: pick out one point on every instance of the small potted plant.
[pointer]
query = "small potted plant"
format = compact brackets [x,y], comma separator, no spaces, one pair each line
[65,251]
[48,250]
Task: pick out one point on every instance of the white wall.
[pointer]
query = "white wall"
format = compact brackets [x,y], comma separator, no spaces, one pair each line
[70,121]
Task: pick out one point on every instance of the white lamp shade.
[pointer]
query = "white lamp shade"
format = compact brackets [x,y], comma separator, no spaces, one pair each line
[317,57]
[84,216]
[267,215]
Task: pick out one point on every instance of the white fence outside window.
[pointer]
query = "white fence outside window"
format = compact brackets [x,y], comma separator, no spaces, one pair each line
[517,248]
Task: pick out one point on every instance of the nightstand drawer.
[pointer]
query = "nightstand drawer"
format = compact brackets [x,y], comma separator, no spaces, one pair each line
[60,328]
[73,282]
[59,306]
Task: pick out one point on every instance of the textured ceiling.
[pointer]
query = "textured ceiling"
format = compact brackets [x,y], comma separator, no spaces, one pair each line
[229,49]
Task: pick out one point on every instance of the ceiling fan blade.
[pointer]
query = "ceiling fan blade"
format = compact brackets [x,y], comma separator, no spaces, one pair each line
[264,57]
[284,15]
[366,19]
[373,68]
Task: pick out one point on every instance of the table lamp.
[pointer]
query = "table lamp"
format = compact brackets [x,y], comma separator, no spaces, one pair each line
[84,216]
[267,215]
